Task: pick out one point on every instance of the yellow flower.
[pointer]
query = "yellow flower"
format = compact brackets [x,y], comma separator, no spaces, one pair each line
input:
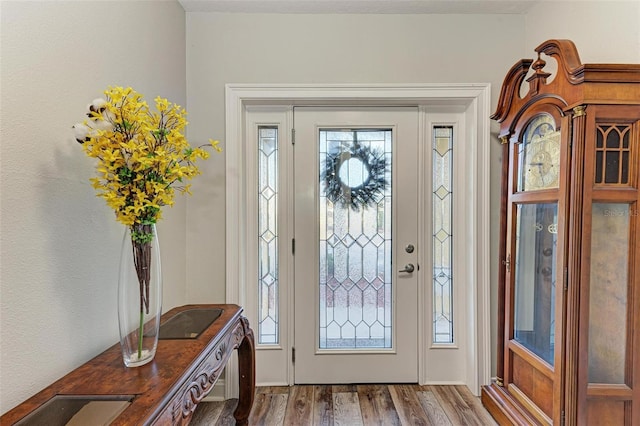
[110,155]
[161,104]
[215,144]
[130,145]
[143,156]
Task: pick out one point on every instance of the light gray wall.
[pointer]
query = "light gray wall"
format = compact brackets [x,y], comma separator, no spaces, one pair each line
[604,32]
[272,48]
[60,245]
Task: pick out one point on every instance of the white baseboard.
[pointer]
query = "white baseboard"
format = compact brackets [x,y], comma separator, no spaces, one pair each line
[272,384]
[444,383]
[217,393]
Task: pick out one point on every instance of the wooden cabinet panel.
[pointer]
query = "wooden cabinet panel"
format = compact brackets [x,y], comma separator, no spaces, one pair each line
[533,383]
[603,413]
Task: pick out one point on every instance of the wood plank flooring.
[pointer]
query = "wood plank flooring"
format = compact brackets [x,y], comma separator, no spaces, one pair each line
[353,405]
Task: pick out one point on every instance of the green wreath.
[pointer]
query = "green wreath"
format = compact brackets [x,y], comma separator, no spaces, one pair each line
[370,191]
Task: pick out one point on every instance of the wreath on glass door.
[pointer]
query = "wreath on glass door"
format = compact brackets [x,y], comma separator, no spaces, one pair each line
[370,184]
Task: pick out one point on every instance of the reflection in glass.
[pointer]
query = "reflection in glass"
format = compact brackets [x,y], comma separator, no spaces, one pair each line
[268,235]
[355,245]
[608,292]
[78,410]
[535,277]
[189,324]
[353,172]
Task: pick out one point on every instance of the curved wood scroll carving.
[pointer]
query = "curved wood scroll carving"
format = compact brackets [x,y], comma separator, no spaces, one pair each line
[208,372]
[570,72]
[510,88]
[567,56]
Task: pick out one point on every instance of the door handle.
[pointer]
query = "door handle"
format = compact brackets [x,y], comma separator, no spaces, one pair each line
[409,268]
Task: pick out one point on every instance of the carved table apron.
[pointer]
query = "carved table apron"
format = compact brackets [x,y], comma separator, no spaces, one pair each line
[167,390]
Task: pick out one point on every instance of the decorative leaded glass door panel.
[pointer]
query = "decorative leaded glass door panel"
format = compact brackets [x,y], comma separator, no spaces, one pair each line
[355,217]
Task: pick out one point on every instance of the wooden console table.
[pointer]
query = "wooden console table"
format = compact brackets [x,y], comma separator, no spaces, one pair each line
[167,390]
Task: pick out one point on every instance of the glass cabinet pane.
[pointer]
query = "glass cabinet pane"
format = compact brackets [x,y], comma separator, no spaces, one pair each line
[613,151]
[608,292]
[535,277]
[539,155]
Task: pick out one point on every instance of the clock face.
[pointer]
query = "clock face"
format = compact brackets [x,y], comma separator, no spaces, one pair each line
[540,155]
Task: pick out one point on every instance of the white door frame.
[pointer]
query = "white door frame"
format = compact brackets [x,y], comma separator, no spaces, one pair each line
[476,97]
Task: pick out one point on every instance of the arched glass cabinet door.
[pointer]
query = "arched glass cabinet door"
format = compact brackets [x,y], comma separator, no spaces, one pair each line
[536,238]
[533,272]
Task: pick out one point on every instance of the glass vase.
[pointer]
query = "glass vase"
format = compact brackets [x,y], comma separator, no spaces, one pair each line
[139,294]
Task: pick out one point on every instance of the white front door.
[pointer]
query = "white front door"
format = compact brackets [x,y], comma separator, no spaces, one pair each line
[356,227]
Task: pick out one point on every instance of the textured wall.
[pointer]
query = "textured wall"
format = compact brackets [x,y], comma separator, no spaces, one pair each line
[276,48]
[60,244]
[603,32]
[272,48]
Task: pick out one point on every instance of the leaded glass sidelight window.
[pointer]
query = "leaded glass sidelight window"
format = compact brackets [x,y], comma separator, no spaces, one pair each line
[355,239]
[268,235]
[442,199]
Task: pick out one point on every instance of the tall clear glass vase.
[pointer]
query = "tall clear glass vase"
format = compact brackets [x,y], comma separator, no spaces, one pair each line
[139,294]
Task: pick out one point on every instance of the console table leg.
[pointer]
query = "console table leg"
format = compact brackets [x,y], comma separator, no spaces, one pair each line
[247,372]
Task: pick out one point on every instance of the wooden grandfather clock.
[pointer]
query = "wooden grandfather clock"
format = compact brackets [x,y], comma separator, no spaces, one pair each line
[569,280]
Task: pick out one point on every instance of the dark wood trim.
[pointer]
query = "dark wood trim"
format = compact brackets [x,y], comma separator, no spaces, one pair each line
[510,89]
[247,373]
[502,258]
[573,266]
[505,409]
[567,56]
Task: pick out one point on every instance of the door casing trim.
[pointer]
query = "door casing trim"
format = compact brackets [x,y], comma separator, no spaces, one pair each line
[475,97]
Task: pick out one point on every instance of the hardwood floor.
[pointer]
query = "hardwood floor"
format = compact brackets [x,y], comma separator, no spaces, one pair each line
[352,405]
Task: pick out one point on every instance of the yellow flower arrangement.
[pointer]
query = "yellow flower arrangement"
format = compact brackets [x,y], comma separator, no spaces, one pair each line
[143,156]
[143,159]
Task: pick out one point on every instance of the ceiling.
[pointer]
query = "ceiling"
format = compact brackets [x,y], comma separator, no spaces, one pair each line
[360,6]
